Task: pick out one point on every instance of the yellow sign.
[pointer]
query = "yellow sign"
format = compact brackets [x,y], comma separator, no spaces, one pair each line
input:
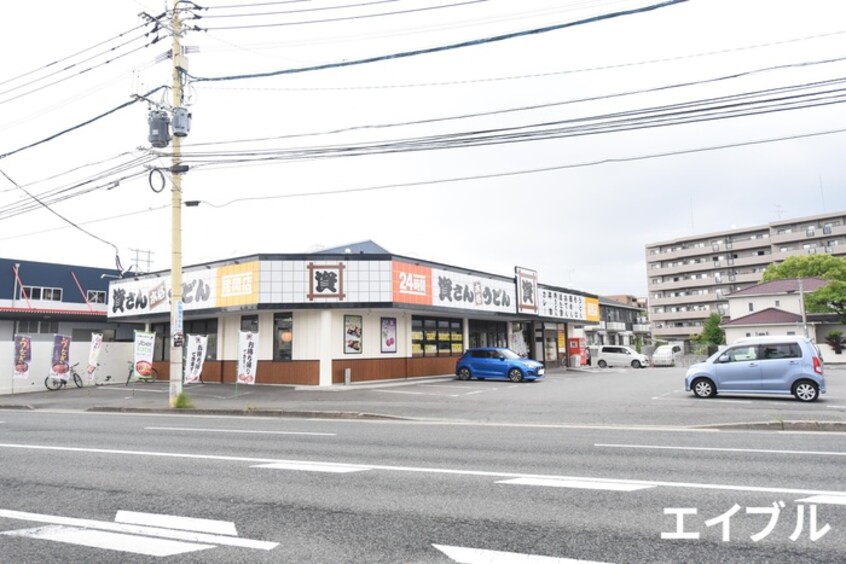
[238,284]
[592,309]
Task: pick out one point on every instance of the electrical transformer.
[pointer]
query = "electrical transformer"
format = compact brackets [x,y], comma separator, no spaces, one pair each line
[181,121]
[159,123]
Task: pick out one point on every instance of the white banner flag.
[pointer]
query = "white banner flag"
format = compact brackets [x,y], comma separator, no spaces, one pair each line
[247,357]
[142,357]
[94,355]
[196,355]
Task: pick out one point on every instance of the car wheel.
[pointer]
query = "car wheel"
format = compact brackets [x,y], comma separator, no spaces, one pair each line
[636,364]
[515,375]
[805,390]
[464,373]
[602,364]
[703,388]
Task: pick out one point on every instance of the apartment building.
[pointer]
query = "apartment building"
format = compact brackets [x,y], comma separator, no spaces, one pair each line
[689,278]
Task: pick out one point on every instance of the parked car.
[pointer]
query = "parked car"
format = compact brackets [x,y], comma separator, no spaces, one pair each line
[763,365]
[615,355]
[496,362]
[667,355]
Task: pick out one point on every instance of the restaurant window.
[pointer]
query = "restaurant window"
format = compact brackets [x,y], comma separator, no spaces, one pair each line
[283,336]
[32,326]
[436,337]
[249,323]
[207,327]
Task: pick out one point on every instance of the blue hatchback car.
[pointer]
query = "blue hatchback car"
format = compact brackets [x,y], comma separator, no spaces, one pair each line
[496,362]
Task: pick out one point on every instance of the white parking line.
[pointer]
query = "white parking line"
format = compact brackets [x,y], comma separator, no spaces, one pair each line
[196,430]
[417,393]
[714,449]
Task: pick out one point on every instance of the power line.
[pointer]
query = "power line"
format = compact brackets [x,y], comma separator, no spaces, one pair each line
[66,220]
[442,48]
[536,106]
[83,124]
[533,75]
[340,19]
[303,10]
[534,170]
[58,61]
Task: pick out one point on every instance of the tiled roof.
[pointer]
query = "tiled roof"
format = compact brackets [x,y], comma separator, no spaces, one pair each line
[784,286]
[769,316]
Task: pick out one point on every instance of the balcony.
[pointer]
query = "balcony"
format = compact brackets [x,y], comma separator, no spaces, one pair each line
[642,328]
[694,299]
[615,325]
[681,315]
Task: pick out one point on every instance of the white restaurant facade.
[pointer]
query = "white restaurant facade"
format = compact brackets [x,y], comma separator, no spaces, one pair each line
[371,316]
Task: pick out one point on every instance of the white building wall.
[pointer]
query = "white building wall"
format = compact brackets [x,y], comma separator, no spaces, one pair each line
[739,306]
[114,359]
[734,333]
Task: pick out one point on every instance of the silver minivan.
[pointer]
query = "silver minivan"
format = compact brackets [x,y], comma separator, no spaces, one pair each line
[761,365]
[618,355]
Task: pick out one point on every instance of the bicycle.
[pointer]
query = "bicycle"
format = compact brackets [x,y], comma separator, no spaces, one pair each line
[146,374]
[54,383]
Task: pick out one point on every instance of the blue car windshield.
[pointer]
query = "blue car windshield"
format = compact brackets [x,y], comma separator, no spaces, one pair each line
[509,354]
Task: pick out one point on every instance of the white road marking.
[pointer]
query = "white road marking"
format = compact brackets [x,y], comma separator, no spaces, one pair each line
[416,393]
[714,449]
[827,499]
[837,406]
[109,541]
[465,555]
[423,470]
[157,532]
[577,484]
[709,400]
[211,526]
[315,467]
[247,431]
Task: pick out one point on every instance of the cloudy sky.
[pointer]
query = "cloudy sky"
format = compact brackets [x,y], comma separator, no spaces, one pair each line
[565,151]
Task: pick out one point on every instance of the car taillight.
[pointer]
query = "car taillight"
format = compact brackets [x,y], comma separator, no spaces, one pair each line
[817,365]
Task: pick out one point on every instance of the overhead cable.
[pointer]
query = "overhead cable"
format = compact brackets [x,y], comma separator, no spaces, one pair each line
[83,124]
[441,48]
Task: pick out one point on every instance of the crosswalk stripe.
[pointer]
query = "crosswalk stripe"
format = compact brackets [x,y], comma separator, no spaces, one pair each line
[108,540]
[331,468]
[577,484]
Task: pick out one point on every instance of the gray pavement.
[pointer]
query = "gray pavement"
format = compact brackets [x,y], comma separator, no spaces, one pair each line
[567,396]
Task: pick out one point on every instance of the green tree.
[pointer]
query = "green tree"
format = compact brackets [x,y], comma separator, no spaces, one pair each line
[711,332]
[808,266]
[831,298]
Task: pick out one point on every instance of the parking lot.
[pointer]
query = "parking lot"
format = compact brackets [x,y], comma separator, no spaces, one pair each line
[587,396]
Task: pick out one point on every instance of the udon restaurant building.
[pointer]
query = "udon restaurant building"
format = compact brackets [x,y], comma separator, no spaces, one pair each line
[325,317]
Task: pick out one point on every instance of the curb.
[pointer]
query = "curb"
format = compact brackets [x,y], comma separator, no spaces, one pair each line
[816,426]
[252,413]
[12,406]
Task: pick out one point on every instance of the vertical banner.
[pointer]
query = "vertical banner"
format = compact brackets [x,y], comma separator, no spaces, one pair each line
[389,334]
[142,355]
[247,357]
[196,355]
[23,356]
[60,363]
[94,355]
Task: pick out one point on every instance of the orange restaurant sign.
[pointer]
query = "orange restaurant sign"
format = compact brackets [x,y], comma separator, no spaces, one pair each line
[412,283]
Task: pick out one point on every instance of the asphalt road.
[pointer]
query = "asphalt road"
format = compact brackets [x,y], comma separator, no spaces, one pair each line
[95,487]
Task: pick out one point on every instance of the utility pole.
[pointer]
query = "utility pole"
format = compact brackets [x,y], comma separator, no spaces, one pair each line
[802,306]
[176,339]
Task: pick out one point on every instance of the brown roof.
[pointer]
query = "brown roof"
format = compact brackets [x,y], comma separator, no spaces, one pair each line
[769,316]
[784,286]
